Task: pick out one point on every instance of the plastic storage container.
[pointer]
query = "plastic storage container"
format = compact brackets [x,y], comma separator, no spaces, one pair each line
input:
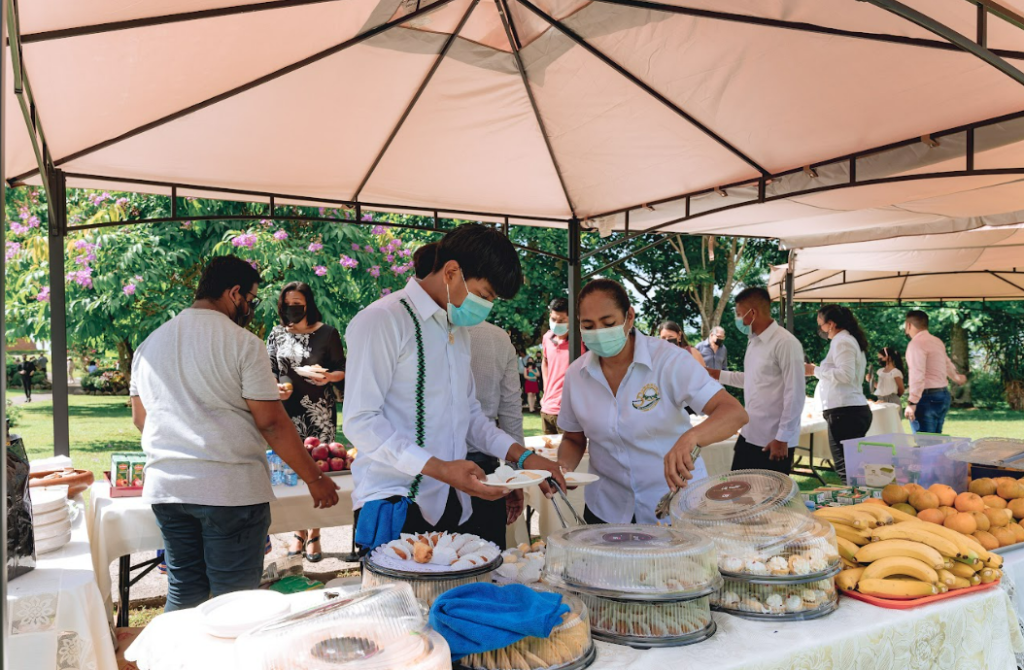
[569,647]
[635,562]
[777,601]
[375,629]
[646,624]
[903,458]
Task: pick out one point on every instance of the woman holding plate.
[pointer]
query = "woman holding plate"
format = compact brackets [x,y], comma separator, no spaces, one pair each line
[308,360]
[625,400]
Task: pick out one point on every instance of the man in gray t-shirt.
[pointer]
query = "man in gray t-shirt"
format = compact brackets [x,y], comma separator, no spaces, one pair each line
[208,405]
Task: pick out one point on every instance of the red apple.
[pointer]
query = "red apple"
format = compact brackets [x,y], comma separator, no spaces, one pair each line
[338,464]
[337,449]
[320,453]
[311,442]
[324,466]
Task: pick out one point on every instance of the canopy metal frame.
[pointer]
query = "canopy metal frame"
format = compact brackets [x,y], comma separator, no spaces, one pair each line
[795,293]
[54,179]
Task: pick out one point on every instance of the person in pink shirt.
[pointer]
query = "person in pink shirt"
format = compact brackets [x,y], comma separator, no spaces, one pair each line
[928,366]
[555,361]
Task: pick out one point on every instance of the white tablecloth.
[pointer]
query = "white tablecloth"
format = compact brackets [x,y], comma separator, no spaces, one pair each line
[978,631]
[122,526]
[55,617]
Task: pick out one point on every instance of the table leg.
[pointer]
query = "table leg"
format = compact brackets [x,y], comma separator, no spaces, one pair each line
[124,573]
[353,554]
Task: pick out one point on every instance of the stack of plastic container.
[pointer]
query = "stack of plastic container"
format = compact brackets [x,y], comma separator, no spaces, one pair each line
[281,473]
[382,628]
[777,560]
[644,586]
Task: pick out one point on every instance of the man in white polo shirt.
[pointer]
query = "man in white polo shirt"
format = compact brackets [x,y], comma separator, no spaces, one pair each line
[774,386]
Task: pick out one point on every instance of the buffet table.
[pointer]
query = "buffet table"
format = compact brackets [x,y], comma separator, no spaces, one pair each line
[975,631]
[55,614]
[119,527]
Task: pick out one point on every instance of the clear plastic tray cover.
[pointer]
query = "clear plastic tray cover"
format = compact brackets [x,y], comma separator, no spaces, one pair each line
[374,629]
[426,591]
[736,496]
[648,620]
[632,561]
[785,601]
[994,451]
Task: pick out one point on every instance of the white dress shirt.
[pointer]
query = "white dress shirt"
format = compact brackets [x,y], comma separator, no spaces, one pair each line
[630,432]
[380,402]
[841,374]
[496,375]
[774,386]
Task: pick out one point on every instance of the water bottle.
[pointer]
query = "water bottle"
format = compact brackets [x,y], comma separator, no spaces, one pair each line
[291,478]
[275,468]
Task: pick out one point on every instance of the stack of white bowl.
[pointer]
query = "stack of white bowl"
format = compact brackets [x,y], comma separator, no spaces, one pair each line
[51,518]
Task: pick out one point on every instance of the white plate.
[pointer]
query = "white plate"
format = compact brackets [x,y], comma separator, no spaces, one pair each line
[579,478]
[53,543]
[51,530]
[48,498]
[60,514]
[230,615]
[520,480]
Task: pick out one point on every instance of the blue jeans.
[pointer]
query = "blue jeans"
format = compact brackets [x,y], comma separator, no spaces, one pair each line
[930,413]
[211,550]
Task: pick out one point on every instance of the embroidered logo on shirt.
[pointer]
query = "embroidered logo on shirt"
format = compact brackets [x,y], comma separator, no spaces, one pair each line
[647,398]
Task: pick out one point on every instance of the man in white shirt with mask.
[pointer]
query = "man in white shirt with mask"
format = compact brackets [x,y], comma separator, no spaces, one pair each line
[411,407]
[774,387]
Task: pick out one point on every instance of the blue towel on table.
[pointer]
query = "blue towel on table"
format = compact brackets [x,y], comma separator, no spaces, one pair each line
[380,522]
[475,618]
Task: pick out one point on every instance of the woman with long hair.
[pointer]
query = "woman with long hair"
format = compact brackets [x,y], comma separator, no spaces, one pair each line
[839,377]
[888,383]
[300,341]
[670,331]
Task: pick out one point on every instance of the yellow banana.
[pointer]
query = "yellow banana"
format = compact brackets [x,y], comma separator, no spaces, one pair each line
[881,514]
[988,575]
[905,531]
[960,583]
[886,548]
[994,561]
[968,546]
[943,588]
[901,516]
[847,579]
[846,515]
[897,588]
[848,563]
[900,565]
[974,579]
[962,570]
[946,577]
[858,537]
[974,564]
[847,549]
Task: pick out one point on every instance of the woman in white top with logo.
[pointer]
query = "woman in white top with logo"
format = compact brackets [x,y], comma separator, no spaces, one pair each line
[889,378]
[627,395]
[840,387]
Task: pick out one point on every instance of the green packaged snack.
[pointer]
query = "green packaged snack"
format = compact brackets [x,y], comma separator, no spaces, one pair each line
[120,469]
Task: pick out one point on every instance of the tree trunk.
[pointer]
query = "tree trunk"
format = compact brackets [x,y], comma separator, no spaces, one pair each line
[961,357]
[125,356]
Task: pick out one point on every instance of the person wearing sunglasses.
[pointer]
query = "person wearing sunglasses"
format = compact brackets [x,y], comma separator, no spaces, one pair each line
[207,404]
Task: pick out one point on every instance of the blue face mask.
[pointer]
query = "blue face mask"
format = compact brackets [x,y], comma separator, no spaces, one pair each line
[606,342]
[741,326]
[558,328]
[472,311]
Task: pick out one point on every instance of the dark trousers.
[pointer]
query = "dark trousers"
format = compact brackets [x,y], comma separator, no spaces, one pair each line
[211,550]
[845,423]
[26,380]
[549,423]
[931,410]
[749,456]
[592,519]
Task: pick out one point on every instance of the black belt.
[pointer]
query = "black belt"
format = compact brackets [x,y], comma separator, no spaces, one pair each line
[930,391]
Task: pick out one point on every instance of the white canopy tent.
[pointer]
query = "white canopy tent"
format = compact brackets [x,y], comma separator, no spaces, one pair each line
[984,264]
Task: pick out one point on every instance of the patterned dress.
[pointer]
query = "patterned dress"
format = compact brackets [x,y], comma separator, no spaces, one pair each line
[312,408]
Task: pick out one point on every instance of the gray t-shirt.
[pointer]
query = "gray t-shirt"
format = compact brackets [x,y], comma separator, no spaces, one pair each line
[194,374]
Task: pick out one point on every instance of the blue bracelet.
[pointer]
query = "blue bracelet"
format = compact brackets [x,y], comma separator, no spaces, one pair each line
[522,459]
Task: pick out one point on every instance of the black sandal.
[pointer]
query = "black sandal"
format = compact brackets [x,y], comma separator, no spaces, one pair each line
[313,558]
[302,543]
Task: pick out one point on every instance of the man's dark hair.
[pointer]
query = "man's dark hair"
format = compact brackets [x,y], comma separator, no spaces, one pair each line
[611,287]
[560,305]
[313,314]
[483,253]
[423,259]
[754,294]
[918,319]
[223,273]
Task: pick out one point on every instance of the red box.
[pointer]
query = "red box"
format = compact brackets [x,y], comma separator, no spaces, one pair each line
[122,491]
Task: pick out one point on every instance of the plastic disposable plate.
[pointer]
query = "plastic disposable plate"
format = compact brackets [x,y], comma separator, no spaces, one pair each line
[230,615]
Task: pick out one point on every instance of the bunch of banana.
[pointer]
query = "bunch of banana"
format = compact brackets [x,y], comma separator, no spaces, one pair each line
[905,557]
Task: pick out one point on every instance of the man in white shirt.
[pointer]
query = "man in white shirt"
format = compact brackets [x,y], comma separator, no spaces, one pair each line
[411,406]
[773,385]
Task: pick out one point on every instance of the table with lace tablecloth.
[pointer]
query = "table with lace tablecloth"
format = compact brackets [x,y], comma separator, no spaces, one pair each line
[55,617]
[119,527]
[976,631]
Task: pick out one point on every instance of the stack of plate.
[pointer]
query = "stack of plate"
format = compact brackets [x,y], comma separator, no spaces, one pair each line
[51,518]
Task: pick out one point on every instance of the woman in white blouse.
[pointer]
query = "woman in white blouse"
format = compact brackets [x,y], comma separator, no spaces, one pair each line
[627,396]
[840,387]
[889,378]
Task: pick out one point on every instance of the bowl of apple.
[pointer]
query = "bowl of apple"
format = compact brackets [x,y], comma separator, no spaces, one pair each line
[333,458]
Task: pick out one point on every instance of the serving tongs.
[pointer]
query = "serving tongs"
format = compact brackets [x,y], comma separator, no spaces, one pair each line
[554,503]
[664,506]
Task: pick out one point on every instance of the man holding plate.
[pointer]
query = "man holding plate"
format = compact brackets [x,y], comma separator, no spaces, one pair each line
[411,407]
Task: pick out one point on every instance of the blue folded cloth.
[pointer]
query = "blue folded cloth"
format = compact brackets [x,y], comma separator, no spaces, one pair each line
[380,522]
[475,618]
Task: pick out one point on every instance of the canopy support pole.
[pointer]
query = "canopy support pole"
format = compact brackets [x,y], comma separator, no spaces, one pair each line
[790,326]
[58,227]
[3,340]
[575,284]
